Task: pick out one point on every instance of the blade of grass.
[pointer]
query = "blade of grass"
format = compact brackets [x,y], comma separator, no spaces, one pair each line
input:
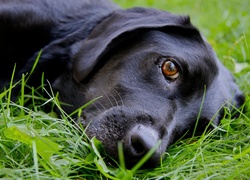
[10,87]
[35,159]
[21,101]
[199,114]
[121,155]
[34,66]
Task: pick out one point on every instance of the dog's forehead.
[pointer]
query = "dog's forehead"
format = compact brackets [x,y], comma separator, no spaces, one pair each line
[183,46]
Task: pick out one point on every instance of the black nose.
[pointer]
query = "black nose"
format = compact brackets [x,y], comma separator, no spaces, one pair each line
[137,142]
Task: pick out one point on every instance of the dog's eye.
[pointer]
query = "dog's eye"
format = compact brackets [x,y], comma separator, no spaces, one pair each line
[170,70]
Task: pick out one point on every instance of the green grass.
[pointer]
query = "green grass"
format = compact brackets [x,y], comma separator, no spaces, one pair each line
[36,145]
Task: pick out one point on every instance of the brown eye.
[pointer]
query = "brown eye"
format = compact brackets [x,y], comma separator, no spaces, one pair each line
[170,70]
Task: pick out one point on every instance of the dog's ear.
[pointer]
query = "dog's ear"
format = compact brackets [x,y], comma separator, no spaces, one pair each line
[121,25]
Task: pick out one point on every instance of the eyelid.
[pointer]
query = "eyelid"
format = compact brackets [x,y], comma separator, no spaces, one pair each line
[174,59]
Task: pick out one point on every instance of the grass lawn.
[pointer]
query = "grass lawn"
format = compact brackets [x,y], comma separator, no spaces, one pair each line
[36,145]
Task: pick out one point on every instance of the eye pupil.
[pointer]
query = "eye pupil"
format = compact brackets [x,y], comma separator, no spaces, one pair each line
[170,70]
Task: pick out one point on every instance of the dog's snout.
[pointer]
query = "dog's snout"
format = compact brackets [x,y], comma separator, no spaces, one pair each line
[139,141]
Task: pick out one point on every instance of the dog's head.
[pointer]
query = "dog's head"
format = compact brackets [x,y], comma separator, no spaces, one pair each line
[156,76]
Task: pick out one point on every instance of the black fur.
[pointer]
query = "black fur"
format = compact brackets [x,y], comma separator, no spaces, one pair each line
[93,48]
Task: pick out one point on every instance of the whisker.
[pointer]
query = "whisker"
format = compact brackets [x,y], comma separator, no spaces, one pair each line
[107,96]
[122,103]
[97,106]
[116,102]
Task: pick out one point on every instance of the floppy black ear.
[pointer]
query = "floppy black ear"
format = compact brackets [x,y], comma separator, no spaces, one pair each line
[114,29]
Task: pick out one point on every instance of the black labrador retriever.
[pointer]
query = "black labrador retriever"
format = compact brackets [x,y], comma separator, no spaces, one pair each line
[156,73]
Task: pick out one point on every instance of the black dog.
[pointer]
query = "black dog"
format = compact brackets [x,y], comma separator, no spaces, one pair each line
[153,69]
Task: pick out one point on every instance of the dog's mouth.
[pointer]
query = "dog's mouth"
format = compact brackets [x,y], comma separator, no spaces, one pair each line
[140,134]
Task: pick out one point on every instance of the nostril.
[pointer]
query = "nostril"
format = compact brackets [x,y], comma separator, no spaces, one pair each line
[138,144]
[240,99]
[140,140]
